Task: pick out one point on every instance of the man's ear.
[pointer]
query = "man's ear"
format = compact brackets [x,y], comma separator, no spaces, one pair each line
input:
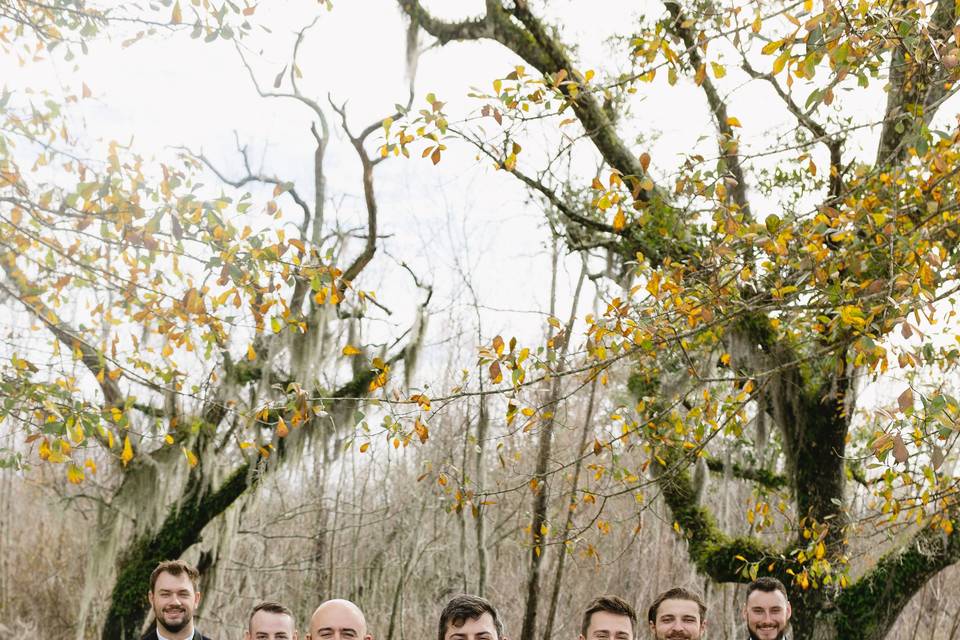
[246,635]
[150,597]
[196,600]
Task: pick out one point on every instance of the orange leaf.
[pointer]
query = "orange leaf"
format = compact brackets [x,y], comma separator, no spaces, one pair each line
[645,160]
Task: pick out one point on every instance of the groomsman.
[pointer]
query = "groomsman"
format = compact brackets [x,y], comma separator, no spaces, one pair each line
[467,617]
[338,620]
[271,621]
[173,599]
[767,610]
[677,613]
[608,618]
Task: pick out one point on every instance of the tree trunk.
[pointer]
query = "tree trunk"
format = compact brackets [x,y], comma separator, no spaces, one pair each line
[180,530]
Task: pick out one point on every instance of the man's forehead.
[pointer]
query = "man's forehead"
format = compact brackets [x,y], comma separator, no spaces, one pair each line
[166,580]
[608,619]
[270,621]
[766,598]
[338,614]
[677,607]
[483,622]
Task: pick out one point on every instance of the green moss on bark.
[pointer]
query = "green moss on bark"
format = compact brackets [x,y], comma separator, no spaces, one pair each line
[180,530]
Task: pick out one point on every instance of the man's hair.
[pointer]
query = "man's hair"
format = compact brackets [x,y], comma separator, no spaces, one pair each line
[175,568]
[465,607]
[767,585]
[677,593]
[271,607]
[610,604]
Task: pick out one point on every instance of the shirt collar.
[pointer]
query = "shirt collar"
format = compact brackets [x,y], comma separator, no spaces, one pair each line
[160,636]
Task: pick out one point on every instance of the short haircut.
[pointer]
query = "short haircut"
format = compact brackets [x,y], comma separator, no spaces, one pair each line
[610,604]
[677,593]
[465,607]
[767,585]
[175,568]
[271,607]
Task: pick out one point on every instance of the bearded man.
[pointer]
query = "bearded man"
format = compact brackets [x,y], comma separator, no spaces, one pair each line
[767,610]
[174,598]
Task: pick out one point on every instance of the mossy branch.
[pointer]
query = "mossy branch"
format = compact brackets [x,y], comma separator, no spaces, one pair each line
[712,551]
[868,609]
[763,477]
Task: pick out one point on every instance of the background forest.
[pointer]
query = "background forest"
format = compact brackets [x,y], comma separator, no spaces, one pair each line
[390,300]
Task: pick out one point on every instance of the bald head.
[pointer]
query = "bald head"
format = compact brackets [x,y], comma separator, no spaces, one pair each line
[338,620]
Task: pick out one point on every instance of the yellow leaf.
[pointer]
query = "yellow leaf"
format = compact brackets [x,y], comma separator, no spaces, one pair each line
[190,456]
[645,160]
[779,63]
[364,447]
[757,23]
[282,429]
[718,70]
[168,439]
[74,474]
[619,220]
[350,350]
[251,353]
[127,454]
[725,359]
[91,465]
[177,16]
[733,122]
[820,551]
[167,350]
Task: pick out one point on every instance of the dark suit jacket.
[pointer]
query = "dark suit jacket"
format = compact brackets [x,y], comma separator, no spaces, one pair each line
[152,635]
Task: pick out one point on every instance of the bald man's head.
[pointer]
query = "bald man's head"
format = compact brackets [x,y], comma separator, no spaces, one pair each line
[338,620]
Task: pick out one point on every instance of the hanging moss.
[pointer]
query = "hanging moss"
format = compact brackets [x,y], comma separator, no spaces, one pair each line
[181,529]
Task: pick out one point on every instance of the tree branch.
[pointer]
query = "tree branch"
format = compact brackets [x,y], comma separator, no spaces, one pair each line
[728,139]
[867,609]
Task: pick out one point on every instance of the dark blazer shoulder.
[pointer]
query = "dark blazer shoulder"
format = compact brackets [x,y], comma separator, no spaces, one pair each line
[152,635]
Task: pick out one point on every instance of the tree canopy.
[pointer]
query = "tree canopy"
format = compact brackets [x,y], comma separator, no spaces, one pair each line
[209,325]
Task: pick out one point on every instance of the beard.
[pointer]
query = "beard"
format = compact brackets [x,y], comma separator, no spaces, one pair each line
[181,618]
[780,636]
[679,635]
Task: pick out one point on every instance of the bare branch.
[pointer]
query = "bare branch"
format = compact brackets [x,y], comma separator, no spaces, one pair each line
[728,138]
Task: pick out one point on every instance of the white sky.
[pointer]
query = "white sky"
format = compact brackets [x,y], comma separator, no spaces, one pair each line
[170,90]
